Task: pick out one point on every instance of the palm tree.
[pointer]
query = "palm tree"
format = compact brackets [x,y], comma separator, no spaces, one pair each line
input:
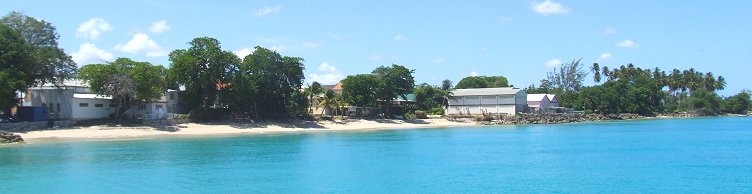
[596,73]
[327,101]
[314,90]
[720,83]
[606,73]
[709,82]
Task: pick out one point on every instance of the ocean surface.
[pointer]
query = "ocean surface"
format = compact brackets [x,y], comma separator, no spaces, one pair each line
[699,155]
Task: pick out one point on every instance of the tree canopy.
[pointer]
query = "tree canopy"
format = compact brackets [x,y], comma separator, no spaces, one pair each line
[201,69]
[360,90]
[482,82]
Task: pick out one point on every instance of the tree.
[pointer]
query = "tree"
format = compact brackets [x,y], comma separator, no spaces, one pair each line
[15,54]
[395,80]
[328,101]
[201,68]
[596,72]
[278,80]
[446,85]
[49,62]
[737,104]
[428,96]
[312,91]
[569,77]
[359,90]
[125,81]
[482,82]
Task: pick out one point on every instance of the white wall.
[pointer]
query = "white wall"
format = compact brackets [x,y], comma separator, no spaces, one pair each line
[91,112]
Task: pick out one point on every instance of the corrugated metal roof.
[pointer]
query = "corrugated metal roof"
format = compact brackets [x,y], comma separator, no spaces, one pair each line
[536,97]
[90,96]
[485,91]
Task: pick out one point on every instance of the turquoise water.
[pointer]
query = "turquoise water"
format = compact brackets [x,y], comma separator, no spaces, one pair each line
[705,155]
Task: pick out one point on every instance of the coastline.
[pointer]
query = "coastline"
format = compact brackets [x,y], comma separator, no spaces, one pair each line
[230,128]
[101,132]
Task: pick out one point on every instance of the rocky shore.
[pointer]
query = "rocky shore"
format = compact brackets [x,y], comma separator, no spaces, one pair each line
[554,118]
[8,137]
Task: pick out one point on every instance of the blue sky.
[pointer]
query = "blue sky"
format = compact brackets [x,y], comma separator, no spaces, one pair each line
[439,39]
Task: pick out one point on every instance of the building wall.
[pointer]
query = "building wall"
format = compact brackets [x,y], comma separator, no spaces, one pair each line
[91,111]
[58,101]
[494,104]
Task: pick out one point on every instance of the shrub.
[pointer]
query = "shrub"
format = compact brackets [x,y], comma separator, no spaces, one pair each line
[420,114]
[436,111]
[410,116]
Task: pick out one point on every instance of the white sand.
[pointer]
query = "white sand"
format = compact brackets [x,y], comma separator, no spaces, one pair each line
[195,129]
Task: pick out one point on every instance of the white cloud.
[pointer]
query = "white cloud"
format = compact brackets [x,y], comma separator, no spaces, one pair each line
[278,48]
[604,57]
[375,57]
[89,53]
[268,10]
[92,28]
[243,52]
[549,7]
[141,43]
[473,73]
[439,60]
[399,37]
[627,44]
[159,27]
[328,75]
[325,67]
[553,63]
[609,31]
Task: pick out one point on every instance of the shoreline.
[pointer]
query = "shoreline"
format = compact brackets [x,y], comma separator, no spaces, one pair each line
[103,133]
[228,128]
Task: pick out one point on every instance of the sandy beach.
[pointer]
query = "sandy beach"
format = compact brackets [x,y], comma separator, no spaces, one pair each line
[229,128]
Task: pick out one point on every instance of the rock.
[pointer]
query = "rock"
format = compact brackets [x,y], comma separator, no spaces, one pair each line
[8,137]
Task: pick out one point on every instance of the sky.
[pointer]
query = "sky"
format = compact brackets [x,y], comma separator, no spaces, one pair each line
[521,40]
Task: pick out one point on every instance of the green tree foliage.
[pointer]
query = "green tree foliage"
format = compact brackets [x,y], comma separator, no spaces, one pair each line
[428,97]
[621,96]
[49,62]
[201,69]
[569,77]
[482,82]
[737,104]
[360,90]
[277,81]
[394,81]
[312,91]
[15,54]
[126,81]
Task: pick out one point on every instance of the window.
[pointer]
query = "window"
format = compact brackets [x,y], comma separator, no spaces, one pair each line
[98,105]
[83,104]
[159,106]
[172,96]
[112,105]
[44,104]
[141,106]
[58,107]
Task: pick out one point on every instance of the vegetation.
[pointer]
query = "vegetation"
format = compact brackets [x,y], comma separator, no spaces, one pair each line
[29,56]
[127,81]
[482,82]
[382,85]
[630,89]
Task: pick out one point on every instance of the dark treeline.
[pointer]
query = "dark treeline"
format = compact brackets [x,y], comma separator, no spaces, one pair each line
[630,89]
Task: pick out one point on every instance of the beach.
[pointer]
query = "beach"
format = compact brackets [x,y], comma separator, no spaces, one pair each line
[103,132]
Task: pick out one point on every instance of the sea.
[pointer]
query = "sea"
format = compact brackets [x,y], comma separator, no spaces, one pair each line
[689,155]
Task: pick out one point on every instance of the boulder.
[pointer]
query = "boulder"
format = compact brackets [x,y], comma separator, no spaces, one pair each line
[8,137]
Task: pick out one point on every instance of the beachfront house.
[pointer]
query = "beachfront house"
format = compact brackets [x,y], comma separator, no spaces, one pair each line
[554,100]
[72,100]
[538,102]
[506,100]
[69,101]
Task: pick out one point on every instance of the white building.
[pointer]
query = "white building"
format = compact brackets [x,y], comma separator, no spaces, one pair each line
[73,101]
[475,101]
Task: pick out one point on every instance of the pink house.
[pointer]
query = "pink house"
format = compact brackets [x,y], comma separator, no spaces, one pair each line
[538,102]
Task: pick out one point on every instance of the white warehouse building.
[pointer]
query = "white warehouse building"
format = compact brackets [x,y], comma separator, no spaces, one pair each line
[475,101]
